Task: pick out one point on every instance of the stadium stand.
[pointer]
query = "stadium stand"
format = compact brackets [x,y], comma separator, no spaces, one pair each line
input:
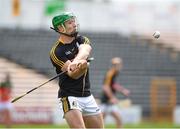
[169,40]
[23,80]
[142,61]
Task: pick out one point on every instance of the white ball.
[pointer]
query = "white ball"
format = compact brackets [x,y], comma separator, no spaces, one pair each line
[156,34]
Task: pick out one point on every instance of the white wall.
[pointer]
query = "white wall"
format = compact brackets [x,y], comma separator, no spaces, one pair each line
[95,15]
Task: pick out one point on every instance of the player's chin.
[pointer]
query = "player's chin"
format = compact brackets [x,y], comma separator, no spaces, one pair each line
[75,30]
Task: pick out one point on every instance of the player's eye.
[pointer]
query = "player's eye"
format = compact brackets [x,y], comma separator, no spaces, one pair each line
[71,21]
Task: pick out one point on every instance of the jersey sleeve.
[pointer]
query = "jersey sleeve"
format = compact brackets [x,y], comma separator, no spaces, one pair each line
[83,40]
[58,57]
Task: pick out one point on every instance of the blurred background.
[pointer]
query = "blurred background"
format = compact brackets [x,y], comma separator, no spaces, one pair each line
[123,28]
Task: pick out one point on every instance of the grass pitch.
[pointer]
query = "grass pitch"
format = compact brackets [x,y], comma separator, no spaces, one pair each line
[142,125]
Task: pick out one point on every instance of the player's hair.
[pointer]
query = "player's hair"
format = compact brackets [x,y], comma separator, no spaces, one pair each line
[116,60]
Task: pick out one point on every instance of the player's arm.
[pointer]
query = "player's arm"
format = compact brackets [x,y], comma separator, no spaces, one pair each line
[84,48]
[78,72]
[83,54]
[62,63]
[106,88]
[79,64]
[121,89]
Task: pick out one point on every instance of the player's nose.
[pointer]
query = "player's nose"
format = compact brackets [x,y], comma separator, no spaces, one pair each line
[74,25]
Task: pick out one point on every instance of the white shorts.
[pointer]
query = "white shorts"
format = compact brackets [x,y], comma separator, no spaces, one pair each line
[5,105]
[87,105]
[108,108]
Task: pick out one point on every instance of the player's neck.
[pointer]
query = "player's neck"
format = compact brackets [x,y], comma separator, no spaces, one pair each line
[66,39]
[115,69]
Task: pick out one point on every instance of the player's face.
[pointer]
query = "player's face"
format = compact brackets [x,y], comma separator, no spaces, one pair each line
[118,67]
[71,26]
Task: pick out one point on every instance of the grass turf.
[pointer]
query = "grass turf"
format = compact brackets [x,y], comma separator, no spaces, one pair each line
[142,125]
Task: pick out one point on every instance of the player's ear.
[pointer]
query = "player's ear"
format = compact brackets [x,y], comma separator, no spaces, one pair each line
[61,28]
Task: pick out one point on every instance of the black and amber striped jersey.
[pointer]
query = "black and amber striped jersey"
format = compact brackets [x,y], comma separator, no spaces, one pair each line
[109,80]
[59,54]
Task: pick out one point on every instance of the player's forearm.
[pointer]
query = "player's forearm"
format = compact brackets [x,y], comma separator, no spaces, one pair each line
[84,52]
[120,89]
